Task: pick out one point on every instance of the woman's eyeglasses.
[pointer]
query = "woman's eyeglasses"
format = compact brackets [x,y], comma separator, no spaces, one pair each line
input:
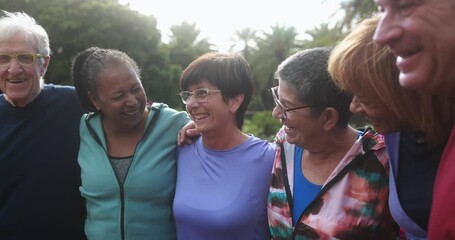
[200,94]
[278,104]
[23,59]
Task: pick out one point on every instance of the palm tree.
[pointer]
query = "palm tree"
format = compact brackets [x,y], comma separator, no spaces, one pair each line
[184,45]
[246,38]
[355,11]
[322,36]
[272,48]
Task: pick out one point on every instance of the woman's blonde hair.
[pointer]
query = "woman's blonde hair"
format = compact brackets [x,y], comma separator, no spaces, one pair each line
[357,64]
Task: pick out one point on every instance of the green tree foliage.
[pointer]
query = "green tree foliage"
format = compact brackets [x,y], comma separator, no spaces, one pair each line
[246,40]
[74,25]
[184,45]
[262,125]
[355,11]
[322,36]
[272,48]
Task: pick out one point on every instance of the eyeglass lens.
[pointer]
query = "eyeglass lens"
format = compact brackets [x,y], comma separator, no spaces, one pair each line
[277,101]
[199,94]
[24,59]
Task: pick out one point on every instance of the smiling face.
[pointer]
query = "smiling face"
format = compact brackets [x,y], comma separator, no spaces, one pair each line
[120,96]
[421,35]
[300,126]
[214,114]
[377,113]
[21,84]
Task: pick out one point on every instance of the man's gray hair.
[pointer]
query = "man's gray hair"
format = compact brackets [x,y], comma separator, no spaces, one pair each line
[12,23]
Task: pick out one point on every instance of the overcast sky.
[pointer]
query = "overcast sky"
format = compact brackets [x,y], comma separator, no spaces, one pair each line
[218,20]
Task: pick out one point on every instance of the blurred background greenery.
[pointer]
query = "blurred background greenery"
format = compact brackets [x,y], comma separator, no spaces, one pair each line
[74,25]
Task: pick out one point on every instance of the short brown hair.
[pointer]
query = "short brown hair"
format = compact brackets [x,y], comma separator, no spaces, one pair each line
[228,71]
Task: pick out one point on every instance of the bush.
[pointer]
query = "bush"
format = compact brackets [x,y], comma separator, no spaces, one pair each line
[262,125]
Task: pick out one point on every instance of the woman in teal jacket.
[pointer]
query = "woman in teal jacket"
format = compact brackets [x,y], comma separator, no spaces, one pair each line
[126,153]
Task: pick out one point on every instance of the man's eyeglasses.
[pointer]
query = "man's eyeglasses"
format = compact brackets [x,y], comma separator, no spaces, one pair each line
[200,94]
[23,59]
[274,91]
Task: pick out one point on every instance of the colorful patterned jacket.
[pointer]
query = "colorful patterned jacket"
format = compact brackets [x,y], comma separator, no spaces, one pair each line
[352,204]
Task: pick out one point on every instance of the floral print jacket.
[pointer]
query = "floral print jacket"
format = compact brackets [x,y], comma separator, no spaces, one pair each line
[352,204]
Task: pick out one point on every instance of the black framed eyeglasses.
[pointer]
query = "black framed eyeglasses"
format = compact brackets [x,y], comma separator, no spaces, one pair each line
[200,94]
[278,104]
[23,59]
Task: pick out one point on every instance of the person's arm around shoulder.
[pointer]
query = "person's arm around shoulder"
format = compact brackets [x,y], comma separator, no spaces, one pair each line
[187,133]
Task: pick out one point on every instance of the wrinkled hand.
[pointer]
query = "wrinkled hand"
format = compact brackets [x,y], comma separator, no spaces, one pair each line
[186,133]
